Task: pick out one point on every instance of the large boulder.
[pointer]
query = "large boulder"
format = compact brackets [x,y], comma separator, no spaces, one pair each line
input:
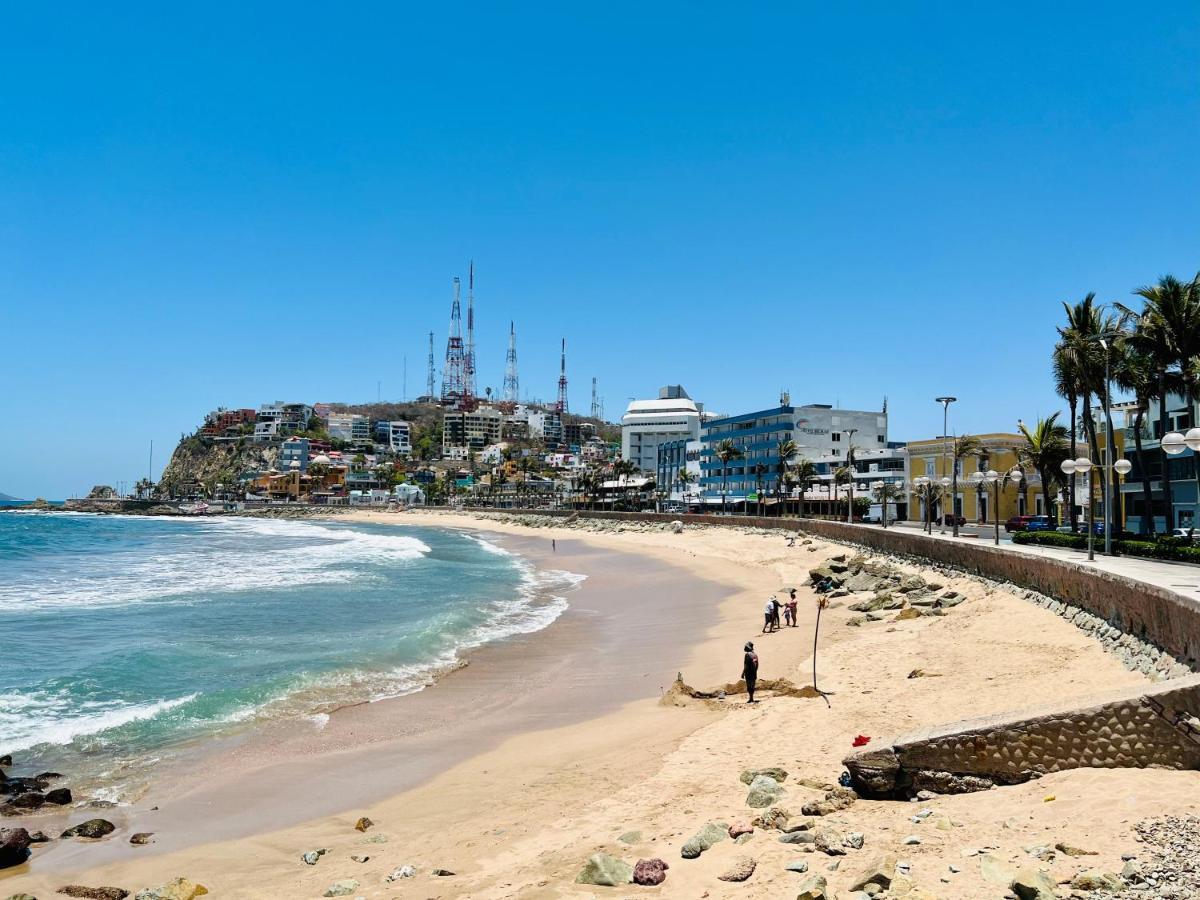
[764,791]
[834,801]
[702,840]
[31,800]
[829,841]
[649,872]
[1033,884]
[880,871]
[748,775]
[605,870]
[176,889]
[59,796]
[92,828]
[14,846]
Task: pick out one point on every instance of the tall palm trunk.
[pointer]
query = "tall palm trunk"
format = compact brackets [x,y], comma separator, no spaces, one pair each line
[1146,526]
[1168,503]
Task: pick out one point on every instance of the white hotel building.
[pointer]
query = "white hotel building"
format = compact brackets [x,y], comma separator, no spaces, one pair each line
[649,423]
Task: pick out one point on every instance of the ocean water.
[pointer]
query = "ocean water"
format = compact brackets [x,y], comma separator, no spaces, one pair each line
[124,637]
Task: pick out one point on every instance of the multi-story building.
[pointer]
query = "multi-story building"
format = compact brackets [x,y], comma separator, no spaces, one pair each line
[294,450]
[274,421]
[933,458]
[349,427]
[646,424]
[821,434]
[1148,465]
[474,430]
[674,456]
[222,421]
[576,434]
[397,435]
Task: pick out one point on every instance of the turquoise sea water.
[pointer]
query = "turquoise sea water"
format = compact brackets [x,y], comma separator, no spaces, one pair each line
[123,636]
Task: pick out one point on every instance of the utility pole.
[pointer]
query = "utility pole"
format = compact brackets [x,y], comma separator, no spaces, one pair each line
[560,405]
[512,384]
[596,412]
[454,374]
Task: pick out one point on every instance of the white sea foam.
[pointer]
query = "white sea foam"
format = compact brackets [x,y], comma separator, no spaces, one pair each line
[235,555]
[29,720]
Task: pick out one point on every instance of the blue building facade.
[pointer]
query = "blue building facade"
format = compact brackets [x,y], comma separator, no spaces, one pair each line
[1180,469]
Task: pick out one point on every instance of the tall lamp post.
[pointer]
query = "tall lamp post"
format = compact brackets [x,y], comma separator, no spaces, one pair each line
[1175,443]
[1083,466]
[996,481]
[945,401]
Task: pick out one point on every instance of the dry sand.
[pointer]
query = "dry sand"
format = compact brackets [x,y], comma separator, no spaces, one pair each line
[519,818]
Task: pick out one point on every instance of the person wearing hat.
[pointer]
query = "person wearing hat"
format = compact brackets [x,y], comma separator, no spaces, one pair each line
[750,670]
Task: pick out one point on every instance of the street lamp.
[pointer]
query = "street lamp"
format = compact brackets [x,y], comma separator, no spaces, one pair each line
[1175,443]
[996,481]
[1083,466]
[945,401]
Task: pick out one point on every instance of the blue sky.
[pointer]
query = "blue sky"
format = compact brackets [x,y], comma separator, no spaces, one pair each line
[225,206]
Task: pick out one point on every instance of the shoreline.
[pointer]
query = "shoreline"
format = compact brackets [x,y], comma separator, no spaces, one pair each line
[520,818]
[516,684]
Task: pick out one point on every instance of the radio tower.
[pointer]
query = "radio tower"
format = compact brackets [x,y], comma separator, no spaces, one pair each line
[512,384]
[430,387]
[469,365]
[596,413]
[560,406]
[454,374]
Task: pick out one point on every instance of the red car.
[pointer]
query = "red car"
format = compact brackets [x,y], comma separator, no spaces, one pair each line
[1018,523]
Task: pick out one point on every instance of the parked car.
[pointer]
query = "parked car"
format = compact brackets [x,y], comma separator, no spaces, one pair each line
[1018,523]
[1039,523]
[949,518]
[1098,528]
[1187,533]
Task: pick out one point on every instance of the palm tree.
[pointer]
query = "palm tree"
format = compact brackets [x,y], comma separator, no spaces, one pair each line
[1066,382]
[886,492]
[1134,371]
[785,452]
[1044,450]
[726,450]
[841,475]
[929,494]
[1166,331]
[759,471]
[685,477]
[964,445]
[804,473]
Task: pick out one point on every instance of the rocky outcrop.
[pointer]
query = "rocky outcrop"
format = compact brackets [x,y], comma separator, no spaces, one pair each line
[94,893]
[176,889]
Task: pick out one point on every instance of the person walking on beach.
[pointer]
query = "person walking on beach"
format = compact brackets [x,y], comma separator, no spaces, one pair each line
[791,605]
[768,614]
[775,607]
[750,670]
[553,545]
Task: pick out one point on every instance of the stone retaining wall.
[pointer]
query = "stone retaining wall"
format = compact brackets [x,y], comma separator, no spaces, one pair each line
[1151,614]
[1153,727]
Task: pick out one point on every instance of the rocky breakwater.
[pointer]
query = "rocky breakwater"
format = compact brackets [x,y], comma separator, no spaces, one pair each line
[895,594]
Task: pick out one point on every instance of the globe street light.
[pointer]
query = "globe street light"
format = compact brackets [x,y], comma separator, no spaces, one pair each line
[1083,466]
[1175,443]
[996,481]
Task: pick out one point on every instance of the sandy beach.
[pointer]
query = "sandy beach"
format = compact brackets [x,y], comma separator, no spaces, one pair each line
[555,746]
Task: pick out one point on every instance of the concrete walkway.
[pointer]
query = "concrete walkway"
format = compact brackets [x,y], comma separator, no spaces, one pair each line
[1181,578]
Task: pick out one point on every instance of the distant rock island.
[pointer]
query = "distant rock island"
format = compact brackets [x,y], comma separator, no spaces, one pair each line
[4,498]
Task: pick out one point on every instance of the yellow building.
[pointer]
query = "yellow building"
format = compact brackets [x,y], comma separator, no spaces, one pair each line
[933,459]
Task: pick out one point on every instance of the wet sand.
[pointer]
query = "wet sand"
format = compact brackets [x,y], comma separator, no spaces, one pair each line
[627,631]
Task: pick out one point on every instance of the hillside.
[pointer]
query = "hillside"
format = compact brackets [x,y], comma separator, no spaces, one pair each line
[5,498]
[200,461]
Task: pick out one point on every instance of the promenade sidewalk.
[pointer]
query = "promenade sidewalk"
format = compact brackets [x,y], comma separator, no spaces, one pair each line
[1181,578]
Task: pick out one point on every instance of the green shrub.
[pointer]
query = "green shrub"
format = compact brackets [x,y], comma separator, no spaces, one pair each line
[1176,549]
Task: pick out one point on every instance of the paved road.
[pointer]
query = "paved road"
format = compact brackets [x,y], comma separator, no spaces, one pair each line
[1182,578]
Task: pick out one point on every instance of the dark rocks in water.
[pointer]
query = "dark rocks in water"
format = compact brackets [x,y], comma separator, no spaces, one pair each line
[59,796]
[649,872]
[49,776]
[14,846]
[31,800]
[94,893]
[92,828]
[102,804]
[142,837]
[6,759]
[39,837]
[22,786]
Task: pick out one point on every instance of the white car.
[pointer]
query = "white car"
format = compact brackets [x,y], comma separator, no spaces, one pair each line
[1187,533]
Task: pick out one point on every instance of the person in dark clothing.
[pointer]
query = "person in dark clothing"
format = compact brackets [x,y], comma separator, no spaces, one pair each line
[750,670]
[776,606]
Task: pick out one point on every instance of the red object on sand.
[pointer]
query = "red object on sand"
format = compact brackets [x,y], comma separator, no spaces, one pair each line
[861,741]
